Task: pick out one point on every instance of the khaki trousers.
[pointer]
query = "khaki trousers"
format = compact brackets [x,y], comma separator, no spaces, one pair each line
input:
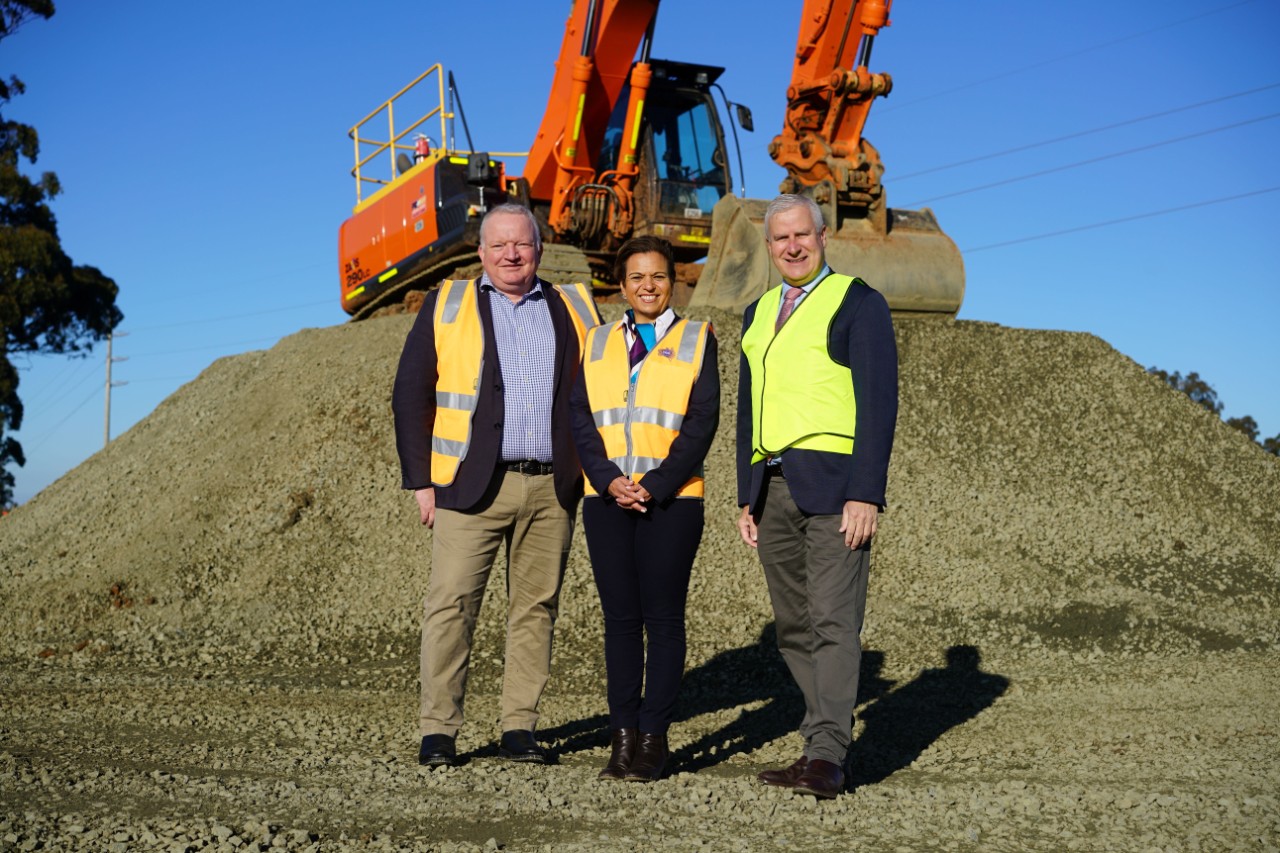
[527,517]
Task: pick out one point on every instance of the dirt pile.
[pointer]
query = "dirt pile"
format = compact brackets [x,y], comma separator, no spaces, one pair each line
[1043,489]
[1073,629]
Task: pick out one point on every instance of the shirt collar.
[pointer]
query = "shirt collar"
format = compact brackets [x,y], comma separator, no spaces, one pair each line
[813,282]
[535,292]
[660,326]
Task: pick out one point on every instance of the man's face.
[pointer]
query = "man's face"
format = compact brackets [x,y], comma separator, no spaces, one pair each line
[797,245]
[510,253]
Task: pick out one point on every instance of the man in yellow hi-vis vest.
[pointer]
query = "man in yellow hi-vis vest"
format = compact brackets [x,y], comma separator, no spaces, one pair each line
[817,405]
[481,404]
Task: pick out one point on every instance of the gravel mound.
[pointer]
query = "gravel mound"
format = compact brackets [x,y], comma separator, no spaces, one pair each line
[210,633]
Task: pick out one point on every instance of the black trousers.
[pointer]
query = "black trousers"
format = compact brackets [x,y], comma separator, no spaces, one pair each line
[642,563]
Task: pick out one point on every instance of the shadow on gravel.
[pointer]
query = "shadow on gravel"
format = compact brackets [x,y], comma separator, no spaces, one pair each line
[743,676]
[899,726]
[748,676]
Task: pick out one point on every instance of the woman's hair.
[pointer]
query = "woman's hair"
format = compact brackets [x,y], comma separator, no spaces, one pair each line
[641,246]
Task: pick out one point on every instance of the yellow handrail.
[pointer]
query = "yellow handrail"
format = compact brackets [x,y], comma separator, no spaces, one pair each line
[393,141]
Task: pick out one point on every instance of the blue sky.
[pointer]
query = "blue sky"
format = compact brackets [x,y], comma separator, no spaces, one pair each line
[205,162]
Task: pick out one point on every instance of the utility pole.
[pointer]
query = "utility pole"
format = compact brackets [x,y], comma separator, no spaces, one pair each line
[106,418]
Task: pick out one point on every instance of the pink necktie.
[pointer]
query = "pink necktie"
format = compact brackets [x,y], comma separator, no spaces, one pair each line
[788,305]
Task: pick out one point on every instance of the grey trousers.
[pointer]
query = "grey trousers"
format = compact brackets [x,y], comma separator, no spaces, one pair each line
[818,588]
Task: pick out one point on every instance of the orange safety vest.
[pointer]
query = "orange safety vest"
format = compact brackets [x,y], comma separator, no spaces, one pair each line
[459,341]
[638,421]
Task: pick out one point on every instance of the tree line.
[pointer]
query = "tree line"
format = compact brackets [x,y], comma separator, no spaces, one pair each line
[48,303]
[1202,394]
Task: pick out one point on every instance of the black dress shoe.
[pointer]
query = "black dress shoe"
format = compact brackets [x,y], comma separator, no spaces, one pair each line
[519,745]
[785,778]
[624,749]
[822,779]
[438,751]
[650,759]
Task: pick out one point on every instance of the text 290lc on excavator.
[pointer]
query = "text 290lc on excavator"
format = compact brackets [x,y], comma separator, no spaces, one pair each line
[631,145]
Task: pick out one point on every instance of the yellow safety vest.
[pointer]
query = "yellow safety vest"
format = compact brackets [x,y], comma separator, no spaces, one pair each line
[799,397]
[459,338]
[638,421]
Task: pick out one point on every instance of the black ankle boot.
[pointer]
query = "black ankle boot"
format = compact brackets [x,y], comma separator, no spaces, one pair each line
[624,747]
[650,759]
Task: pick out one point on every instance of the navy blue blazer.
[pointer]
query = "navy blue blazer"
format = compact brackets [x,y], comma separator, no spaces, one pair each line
[413,403]
[860,337]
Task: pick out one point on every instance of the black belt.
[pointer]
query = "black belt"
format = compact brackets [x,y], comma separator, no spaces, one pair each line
[774,469]
[530,467]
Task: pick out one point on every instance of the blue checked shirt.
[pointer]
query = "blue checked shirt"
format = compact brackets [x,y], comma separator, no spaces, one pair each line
[526,343]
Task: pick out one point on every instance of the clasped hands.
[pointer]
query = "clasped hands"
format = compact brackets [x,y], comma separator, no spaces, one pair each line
[629,494]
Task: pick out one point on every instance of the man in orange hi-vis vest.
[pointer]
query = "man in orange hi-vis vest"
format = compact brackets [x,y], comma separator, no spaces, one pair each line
[481,404]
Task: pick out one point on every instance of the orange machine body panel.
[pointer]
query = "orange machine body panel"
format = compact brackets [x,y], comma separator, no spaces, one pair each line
[430,213]
[385,230]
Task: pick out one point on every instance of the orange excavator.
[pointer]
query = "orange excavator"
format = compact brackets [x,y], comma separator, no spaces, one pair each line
[631,145]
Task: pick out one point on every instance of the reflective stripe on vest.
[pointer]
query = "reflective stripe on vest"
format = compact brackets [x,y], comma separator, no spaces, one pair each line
[459,361]
[799,397]
[638,433]
[460,334]
[582,309]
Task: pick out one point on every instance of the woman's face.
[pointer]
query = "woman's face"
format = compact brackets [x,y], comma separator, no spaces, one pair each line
[647,286]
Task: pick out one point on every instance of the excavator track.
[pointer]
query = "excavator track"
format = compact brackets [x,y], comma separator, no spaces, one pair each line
[560,264]
[396,299]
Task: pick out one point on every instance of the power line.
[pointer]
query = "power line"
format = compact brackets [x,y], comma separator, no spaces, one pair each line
[234,316]
[44,389]
[1060,58]
[49,432]
[1136,216]
[67,391]
[1092,160]
[208,347]
[241,284]
[1077,135]
[186,378]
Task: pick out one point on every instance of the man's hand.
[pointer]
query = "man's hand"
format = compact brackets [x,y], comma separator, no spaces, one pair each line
[859,523]
[747,526]
[426,499]
[628,494]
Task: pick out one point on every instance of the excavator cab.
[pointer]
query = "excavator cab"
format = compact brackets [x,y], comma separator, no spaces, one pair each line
[684,165]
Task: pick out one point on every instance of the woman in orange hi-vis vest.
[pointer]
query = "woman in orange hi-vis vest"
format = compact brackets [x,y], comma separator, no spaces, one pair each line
[644,411]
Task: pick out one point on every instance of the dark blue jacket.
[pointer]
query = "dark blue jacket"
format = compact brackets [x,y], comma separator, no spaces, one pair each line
[413,402]
[860,337]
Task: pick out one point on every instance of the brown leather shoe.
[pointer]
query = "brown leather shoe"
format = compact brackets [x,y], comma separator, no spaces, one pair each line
[650,759]
[624,748]
[822,779]
[785,778]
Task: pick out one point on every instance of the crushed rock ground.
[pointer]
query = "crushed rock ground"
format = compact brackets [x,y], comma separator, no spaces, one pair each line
[1073,635]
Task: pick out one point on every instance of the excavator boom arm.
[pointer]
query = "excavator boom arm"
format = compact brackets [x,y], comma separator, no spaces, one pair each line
[601,38]
[828,100]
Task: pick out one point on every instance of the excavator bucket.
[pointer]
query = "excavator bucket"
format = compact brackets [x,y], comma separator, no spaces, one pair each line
[916,266]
